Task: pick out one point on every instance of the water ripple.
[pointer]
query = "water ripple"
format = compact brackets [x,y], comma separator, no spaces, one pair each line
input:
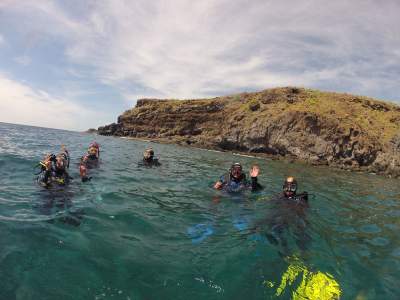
[164,233]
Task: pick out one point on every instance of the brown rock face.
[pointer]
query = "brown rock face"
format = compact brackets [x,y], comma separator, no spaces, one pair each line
[340,130]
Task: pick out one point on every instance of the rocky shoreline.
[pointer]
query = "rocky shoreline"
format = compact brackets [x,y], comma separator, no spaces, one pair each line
[321,128]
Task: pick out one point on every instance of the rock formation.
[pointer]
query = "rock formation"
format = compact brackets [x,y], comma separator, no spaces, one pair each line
[340,130]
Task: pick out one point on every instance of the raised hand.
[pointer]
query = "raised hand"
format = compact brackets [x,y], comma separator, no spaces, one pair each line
[255,170]
[82,171]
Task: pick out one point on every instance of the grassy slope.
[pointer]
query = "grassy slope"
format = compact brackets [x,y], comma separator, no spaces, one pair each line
[379,120]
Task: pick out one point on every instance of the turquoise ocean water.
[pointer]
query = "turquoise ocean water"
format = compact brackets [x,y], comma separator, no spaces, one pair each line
[164,233]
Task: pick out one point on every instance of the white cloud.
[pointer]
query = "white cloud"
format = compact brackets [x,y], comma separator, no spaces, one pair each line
[182,49]
[22,104]
[191,49]
[2,41]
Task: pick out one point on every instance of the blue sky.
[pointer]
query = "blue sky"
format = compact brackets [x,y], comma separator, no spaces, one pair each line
[79,64]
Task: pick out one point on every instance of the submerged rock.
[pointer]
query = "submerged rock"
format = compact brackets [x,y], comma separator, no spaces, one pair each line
[341,130]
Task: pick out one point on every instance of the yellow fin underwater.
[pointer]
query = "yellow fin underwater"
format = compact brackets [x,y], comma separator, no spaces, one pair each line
[313,285]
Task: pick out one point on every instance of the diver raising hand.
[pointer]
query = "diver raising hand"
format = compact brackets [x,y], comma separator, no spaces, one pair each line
[235,180]
[54,169]
[89,161]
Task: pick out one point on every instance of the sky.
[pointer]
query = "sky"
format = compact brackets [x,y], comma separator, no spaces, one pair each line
[78,64]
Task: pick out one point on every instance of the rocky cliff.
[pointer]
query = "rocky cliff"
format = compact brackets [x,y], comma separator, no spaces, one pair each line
[340,130]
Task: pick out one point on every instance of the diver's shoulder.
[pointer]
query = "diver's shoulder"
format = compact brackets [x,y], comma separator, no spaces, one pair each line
[303,196]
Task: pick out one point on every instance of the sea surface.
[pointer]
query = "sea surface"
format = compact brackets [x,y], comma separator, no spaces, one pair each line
[163,233]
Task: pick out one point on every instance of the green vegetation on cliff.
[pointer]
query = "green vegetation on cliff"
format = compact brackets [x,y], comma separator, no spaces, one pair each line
[342,130]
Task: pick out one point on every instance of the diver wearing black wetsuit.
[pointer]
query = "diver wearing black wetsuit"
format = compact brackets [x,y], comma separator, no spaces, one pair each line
[289,194]
[148,159]
[54,169]
[89,161]
[235,180]
[289,211]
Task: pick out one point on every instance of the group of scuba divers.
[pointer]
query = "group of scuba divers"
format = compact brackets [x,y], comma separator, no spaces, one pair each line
[54,167]
[54,170]
[289,211]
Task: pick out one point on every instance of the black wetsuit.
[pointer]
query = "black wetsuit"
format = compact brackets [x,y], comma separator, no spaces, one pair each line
[59,175]
[91,161]
[152,162]
[232,184]
[287,213]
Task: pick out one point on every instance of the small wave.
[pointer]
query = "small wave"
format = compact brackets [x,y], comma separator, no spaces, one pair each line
[26,218]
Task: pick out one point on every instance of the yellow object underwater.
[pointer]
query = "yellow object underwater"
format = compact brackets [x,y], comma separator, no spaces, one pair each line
[313,286]
[60,180]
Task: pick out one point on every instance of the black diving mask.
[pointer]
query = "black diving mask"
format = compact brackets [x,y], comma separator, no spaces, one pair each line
[236,170]
[290,187]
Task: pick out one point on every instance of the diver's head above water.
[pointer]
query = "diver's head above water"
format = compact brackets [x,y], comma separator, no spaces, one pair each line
[148,154]
[236,171]
[290,187]
[235,180]
[60,162]
[93,151]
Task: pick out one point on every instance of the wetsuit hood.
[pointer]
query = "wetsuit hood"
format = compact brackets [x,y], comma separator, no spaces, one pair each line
[148,155]
[289,187]
[236,172]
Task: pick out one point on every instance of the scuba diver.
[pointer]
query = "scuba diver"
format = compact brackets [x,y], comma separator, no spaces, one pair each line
[89,161]
[54,169]
[235,180]
[288,212]
[289,192]
[148,158]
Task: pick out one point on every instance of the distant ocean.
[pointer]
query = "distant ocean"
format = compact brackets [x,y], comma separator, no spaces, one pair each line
[164,233]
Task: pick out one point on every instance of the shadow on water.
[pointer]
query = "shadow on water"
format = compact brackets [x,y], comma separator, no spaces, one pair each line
[56,204]
[285,219]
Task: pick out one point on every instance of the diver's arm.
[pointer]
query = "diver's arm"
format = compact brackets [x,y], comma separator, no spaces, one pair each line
[220,183]
[47,168]
[66,153]
[255,186]
[304,196]
[68,158]
[83,173]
